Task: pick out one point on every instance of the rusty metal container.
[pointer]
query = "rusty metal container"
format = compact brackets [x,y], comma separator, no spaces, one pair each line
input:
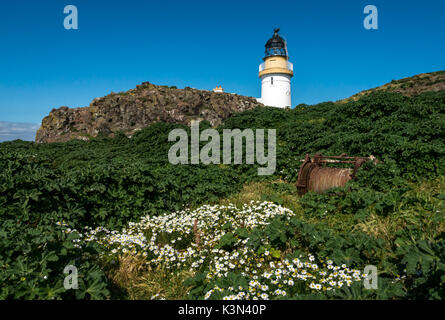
[315,176]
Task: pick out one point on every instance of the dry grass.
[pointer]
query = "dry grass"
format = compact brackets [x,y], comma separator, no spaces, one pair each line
[380,227]
[251,191]
[267,191]
[141,282]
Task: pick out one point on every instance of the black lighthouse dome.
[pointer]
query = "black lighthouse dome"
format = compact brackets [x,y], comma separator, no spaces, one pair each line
[276,46]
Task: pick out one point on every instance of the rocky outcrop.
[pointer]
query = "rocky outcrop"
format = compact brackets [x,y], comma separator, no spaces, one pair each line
[130,111]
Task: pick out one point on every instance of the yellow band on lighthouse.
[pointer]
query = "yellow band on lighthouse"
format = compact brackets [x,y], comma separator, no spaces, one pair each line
[276,64]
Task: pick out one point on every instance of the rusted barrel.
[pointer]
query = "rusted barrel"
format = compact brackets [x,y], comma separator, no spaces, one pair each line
[315,176]
[322,179]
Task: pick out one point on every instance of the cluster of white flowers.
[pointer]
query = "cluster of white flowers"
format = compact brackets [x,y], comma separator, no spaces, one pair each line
[187,239]
[280,277]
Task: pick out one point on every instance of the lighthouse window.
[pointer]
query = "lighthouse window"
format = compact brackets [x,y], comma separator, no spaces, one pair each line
[271,80]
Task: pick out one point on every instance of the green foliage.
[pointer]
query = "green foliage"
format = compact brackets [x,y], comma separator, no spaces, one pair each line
[386,290]
[227,241]
[408,131]
[425,267]
[105,182]
[33,259]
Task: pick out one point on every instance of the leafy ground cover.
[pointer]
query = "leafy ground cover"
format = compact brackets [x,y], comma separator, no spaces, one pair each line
[138,227]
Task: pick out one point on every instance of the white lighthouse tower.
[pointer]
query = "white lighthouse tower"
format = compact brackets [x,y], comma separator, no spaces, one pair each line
[275,73]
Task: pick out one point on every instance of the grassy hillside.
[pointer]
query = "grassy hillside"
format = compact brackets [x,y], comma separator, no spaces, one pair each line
[424,82]
[138,227]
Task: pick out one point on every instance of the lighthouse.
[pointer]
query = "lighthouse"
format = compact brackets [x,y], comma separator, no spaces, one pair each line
[275,73]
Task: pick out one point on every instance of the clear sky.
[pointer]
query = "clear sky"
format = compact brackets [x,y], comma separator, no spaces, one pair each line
[201,44]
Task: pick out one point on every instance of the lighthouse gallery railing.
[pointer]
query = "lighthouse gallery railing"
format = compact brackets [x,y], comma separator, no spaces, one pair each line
[290,66]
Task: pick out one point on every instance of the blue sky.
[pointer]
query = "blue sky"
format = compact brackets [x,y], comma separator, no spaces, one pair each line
[201,44]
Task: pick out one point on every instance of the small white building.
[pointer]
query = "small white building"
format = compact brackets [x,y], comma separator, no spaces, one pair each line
[218,89]
[275,74]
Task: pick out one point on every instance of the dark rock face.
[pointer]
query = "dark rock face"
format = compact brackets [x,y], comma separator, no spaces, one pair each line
[137,108]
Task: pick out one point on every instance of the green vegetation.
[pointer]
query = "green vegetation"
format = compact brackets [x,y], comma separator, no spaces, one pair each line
[391,216]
